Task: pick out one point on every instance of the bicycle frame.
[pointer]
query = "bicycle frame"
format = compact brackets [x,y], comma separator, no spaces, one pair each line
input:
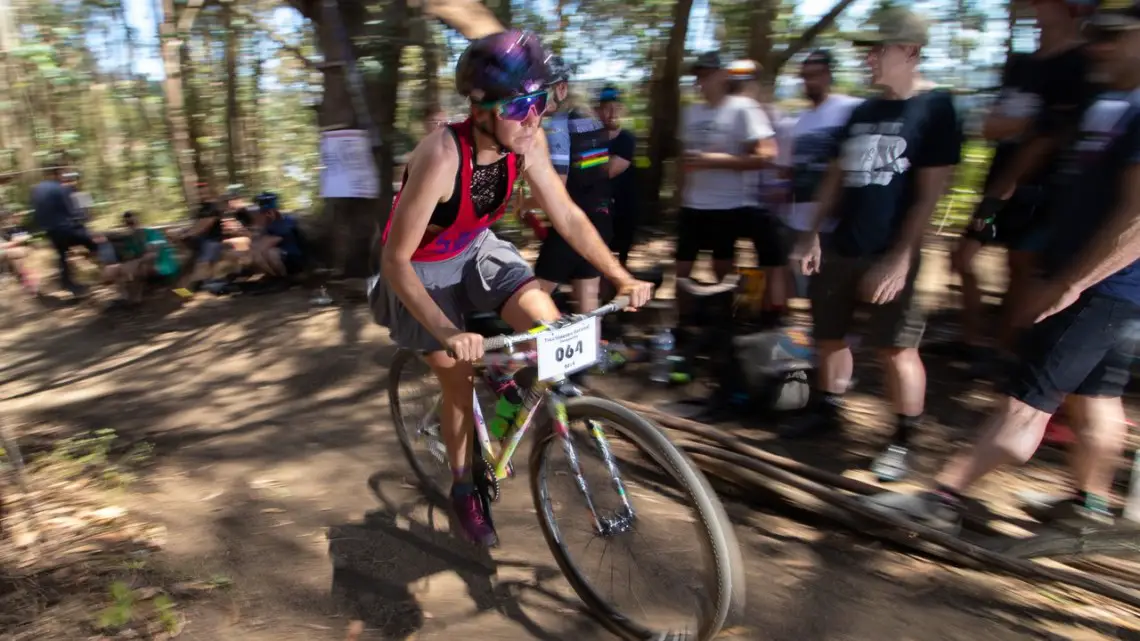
[533,402]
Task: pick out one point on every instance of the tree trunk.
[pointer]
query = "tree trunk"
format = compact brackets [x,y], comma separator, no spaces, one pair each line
[254,112]
[233,116]
[194,112]
[15,121]
[178,129]
[665,98]
[429,101]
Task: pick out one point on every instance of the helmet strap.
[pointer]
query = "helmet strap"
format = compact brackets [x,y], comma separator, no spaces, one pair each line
[492,131]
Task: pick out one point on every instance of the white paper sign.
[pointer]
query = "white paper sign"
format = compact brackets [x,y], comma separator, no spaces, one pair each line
[349,171]
[568,349]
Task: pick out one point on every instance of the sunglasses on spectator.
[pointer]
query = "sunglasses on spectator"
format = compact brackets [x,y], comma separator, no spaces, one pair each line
[518,108]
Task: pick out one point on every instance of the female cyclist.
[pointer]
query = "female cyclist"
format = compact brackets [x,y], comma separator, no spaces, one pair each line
[440,260]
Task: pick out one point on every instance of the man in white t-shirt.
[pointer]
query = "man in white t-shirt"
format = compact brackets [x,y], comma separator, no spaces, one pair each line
[808,146]
[725,138]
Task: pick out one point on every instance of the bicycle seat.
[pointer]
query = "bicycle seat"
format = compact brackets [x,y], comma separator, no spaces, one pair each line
[486,324]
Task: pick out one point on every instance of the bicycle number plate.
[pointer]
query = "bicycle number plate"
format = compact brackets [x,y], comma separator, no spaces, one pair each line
[568,349]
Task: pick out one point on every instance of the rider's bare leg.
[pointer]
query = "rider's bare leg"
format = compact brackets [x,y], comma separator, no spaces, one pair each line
[523,310]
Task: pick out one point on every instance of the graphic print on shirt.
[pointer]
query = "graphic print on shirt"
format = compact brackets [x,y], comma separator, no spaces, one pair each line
[874,154]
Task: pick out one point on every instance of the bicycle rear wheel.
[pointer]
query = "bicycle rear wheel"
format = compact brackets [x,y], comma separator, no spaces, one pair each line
[414,398]
[645,460]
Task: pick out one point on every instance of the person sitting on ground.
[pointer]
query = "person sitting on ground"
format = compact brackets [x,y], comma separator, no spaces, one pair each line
[14,252]
[278,251]
[204,239]
[1083,318]
[132,263]
[55,214]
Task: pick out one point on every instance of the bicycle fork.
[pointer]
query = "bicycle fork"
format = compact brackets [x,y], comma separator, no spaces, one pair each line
[623,520]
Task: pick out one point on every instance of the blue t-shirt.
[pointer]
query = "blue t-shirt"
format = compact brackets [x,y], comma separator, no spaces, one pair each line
[880,151]
[1089,188]
[285,228]
[54,209]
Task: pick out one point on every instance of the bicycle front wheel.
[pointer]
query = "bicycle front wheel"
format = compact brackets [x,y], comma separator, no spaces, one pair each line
[649,499]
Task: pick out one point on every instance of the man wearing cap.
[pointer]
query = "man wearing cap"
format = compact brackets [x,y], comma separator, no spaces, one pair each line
[804,159]
[624,210]
[1037,111]
[279,251]
[892,163]
[56,215]
[724,138]
[1084,317]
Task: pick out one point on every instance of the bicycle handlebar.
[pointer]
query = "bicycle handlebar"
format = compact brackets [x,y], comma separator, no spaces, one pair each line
[495,343]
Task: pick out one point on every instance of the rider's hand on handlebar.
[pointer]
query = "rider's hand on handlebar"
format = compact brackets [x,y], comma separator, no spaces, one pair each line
[466,347]
[639,292]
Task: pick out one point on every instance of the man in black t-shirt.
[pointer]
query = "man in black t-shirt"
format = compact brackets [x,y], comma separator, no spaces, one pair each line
[893,161]
[1082,318]
[624,197]
[579,151]
[1041,99]
[204,238]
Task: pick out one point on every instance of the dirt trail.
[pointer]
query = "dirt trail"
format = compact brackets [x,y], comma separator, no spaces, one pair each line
[276,468]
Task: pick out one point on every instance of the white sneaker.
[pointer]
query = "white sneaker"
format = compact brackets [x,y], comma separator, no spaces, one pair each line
[891,466]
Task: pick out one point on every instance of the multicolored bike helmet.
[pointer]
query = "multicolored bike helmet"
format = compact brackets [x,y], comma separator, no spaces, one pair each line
[500,66]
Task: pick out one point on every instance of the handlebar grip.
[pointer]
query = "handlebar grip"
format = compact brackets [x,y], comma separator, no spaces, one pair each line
[494,343]
[620,303]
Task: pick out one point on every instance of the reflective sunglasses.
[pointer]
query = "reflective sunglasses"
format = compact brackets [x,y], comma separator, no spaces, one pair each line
[519,107]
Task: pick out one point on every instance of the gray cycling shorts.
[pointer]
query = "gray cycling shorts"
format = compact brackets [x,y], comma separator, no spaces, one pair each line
[479,279]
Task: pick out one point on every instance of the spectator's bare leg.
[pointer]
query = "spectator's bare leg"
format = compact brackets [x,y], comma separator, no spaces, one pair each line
[1101,430]
[1011,435]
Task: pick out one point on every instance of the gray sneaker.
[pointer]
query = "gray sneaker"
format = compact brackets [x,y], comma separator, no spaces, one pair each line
[891,466]
[927,508]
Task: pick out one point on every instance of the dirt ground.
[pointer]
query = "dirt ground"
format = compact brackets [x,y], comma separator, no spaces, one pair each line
[275,467]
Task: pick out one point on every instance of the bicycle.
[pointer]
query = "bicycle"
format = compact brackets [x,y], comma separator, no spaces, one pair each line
[560,349]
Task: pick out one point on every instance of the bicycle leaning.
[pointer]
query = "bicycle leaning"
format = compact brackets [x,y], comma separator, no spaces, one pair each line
[549,409]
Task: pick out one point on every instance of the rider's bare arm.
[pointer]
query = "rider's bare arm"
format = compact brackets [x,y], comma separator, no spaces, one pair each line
[1116,245]
[431,179]
[931,185]
[827,195]
[568,219]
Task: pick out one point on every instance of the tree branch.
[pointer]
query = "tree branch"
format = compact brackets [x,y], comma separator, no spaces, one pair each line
[278,40]
[810,34]
[189,13]
[471,18]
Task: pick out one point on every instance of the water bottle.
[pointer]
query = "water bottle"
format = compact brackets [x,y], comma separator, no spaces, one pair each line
[662,347]
[506,408]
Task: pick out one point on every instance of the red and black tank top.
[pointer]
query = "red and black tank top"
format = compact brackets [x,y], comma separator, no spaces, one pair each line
[478,199]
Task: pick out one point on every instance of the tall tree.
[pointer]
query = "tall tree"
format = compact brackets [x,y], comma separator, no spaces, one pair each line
[172,50]
[665,103]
